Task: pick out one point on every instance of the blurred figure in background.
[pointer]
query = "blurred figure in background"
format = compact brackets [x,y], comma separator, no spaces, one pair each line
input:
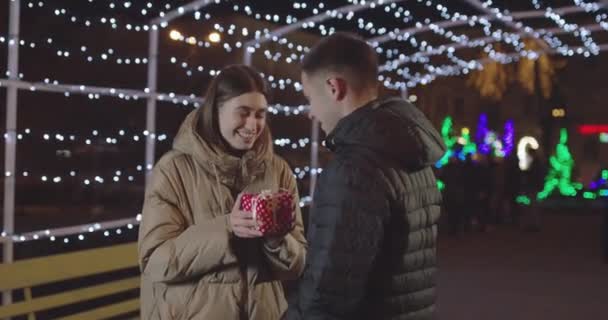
[531,183]
[512,189]
[454,195]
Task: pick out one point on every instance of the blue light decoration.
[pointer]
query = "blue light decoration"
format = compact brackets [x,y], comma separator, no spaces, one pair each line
[601,182]
[508,138]
[481,135]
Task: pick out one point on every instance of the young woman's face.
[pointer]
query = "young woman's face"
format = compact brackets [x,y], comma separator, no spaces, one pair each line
[242,119]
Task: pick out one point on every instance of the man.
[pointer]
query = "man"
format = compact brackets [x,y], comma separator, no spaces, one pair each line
[372,231]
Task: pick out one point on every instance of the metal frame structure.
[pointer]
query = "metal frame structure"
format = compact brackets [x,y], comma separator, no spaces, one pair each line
[13,83]
[153,70]
[11,137]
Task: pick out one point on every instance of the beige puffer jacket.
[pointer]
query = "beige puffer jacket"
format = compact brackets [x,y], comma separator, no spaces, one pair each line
[192,266]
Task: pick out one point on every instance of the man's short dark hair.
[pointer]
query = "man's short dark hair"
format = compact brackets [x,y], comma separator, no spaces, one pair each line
[347,54]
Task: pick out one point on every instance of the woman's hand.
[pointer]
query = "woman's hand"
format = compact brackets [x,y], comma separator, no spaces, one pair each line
[276,241]
[242,223]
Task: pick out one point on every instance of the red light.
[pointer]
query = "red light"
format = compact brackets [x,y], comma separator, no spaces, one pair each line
[588,129]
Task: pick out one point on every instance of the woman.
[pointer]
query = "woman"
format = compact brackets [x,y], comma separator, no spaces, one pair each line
[200,256]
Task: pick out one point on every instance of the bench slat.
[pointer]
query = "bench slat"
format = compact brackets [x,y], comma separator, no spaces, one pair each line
[69,297]
[37,271]
[107,312]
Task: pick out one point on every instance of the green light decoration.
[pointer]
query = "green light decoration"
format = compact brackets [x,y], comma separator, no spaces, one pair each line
[523,200]
[589,195]
[440,185]
[560,172]
[603,193]
[449,140]
[469,147]
[605,174]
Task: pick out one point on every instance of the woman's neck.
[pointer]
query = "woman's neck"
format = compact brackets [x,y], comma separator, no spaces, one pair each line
[232,151]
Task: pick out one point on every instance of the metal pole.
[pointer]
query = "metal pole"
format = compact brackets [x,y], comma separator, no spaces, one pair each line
[247,57]
[314,157]
[404,93]
[151,106]
[152,74]
[11,137]
[102,91]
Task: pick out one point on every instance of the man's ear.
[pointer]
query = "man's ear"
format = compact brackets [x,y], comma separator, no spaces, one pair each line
[337,88]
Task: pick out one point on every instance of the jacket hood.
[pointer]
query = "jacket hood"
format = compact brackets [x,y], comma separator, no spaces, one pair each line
[393,127]
[214,157]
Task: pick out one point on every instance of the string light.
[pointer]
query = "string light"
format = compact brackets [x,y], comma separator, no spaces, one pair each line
[138,137]
[554,42]
[594,7]
[440,8]
[215,37]
[421,56]
[94,92]
[442,70]
[456,70]
[113,22]
[95,137]
[80,231]
[119,176]
[459,39]
[362,25]
[301,173]
[574,28]
[111,55]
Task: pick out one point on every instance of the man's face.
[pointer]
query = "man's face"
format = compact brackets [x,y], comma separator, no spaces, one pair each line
[323,105]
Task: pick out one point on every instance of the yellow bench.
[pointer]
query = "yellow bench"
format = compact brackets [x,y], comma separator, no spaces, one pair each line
[25,274]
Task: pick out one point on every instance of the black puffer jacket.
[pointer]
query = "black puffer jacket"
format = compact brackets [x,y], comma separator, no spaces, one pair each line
[372,231]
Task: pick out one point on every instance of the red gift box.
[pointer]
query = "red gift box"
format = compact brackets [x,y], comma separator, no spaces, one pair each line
[273,213]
